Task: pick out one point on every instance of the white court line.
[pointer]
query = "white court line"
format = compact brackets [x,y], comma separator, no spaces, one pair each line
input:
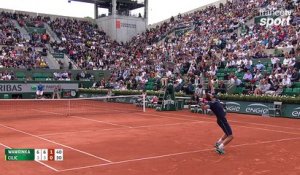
[176,154]
[42,163]
[48,112]
[194,121]
[74,149]
[83,118]
[189,119]
[100,121]
[259,124]
[113,129]
[193,115]
[213,121]
[68,132]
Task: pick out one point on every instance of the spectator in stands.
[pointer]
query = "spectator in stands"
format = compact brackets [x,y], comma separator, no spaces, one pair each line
[5,75]
[260,66]
[295,75]
[198,93]
[257,76]
[263,87]
[231,64]
[277,65]
[274,60]
[292,63]
[236,81]
[286,81]
[250,88]
[248,76]
[287,61]
[221,88]
[275,91]
[248,66]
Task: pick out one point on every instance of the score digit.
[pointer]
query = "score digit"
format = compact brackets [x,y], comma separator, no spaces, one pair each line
[50,154]
[44,154]
[59,154]
[37,154]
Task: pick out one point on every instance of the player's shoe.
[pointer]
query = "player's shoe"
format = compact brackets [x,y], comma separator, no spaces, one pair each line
[217,145]
[220,151]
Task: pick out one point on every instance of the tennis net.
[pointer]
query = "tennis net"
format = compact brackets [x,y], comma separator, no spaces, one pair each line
[29,108]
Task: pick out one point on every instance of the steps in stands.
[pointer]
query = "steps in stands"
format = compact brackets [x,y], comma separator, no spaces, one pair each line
[64,60]
[53,36]
[23,31]
[51,61]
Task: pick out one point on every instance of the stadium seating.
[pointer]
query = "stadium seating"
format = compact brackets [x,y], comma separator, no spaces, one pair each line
[218,35]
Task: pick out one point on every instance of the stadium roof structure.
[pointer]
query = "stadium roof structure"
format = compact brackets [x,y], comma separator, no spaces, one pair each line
[121,4]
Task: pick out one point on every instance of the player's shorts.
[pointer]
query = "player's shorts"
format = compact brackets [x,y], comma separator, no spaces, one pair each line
[225,126]
[39,92]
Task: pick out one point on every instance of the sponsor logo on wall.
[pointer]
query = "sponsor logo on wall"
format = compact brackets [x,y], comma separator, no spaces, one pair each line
[296,112]
[31,87]
[120,24]
[257,108]
[233,107]
[11,88]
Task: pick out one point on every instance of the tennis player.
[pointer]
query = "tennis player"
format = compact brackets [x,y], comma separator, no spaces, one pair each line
[39,91]
[215,106]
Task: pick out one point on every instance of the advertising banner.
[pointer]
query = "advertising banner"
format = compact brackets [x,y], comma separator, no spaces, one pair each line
[258,108]
[31,87]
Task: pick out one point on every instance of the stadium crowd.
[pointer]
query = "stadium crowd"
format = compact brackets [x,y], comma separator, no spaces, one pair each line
[15,51]
[209,44]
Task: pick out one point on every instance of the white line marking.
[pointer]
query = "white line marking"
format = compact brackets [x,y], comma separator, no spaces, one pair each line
[47,166]
[194,121]
[267,129]
[213,121]
[42,163]
[176,154]
[171,124]
[69,132]
[48,112]
[259,124]
[189,119]
[113,129]
[5,146]
[99,121]
[185,119]
[74,149]
[83,118]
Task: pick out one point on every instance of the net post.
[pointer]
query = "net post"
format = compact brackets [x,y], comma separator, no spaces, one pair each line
[144,102]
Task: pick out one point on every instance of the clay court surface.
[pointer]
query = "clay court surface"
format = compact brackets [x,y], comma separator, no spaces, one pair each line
[122,140]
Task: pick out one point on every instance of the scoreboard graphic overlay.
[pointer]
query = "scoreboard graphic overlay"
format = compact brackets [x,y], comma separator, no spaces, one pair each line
[34,154]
